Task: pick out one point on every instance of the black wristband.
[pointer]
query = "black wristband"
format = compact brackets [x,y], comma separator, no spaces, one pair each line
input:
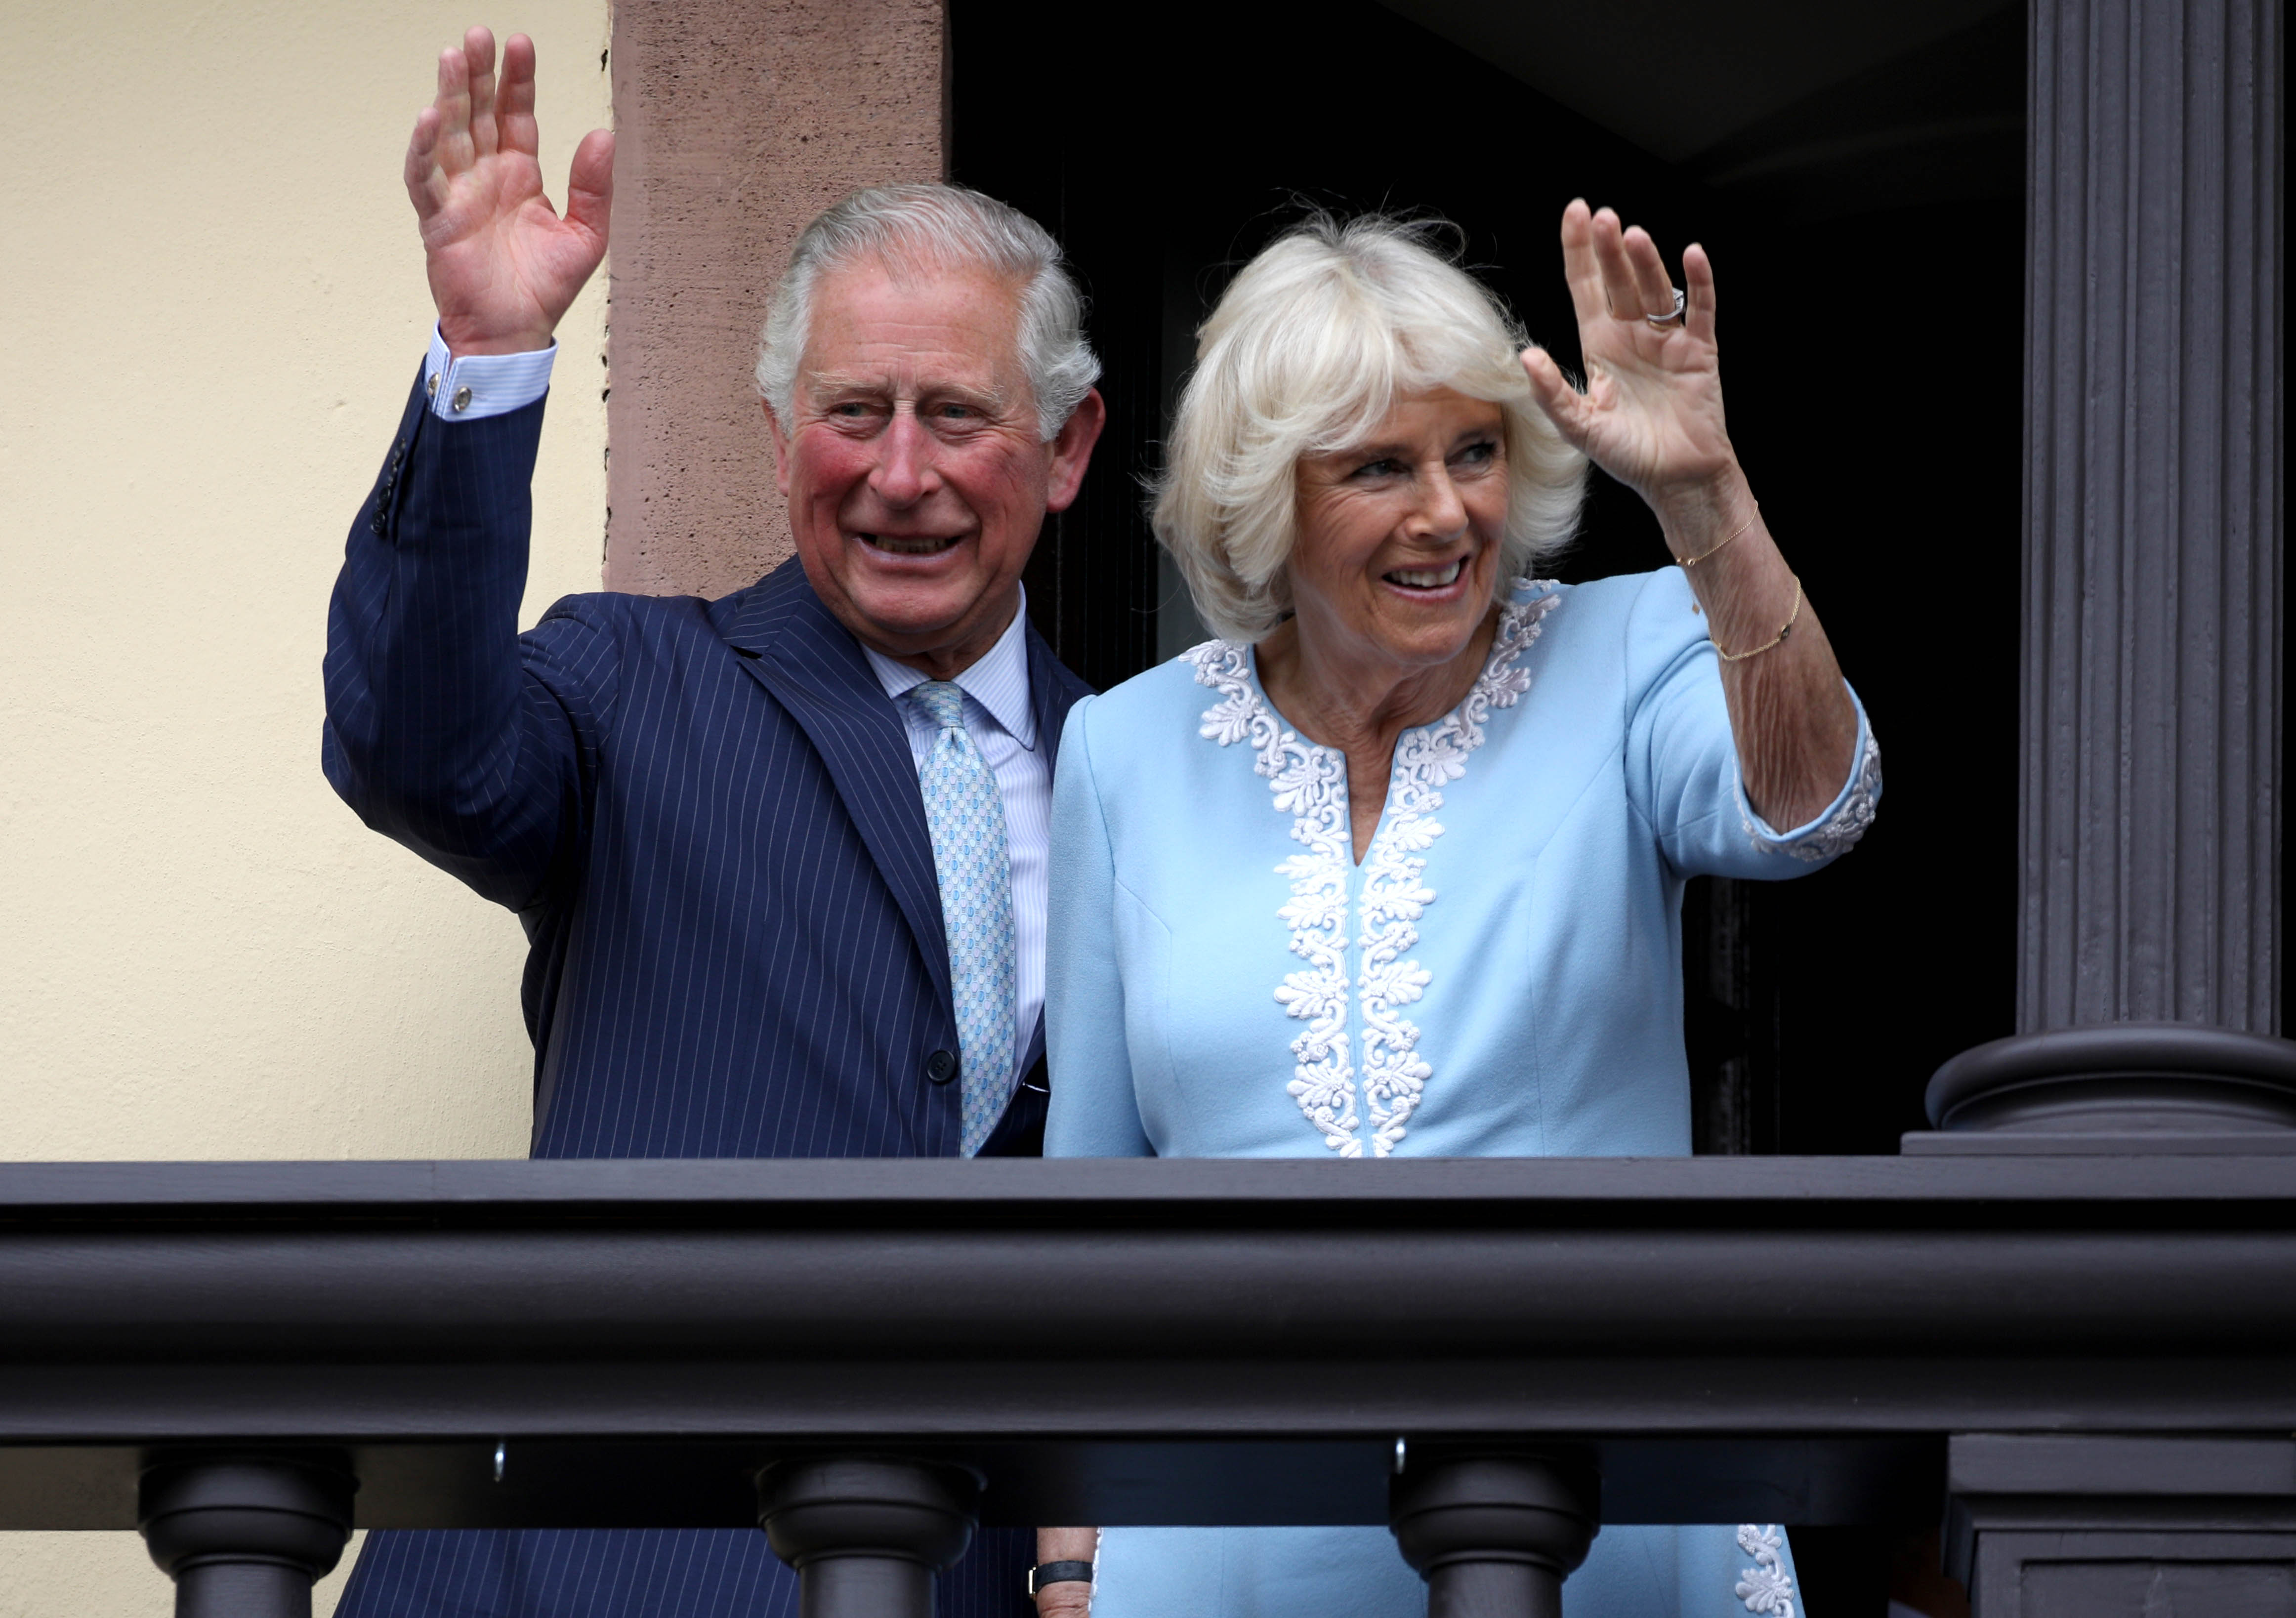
[1057,1573]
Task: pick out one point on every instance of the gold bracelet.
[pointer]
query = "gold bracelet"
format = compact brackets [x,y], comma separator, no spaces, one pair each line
[1692,561]
[1739,657]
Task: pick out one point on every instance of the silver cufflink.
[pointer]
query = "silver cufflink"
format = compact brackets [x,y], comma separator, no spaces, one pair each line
[461,400]
[430,388]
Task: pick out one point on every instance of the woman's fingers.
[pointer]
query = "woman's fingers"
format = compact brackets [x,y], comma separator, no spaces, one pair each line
[1581,269]
[1621,293]
[1698,281]
[479,50]
[1652,287]
[1552,391]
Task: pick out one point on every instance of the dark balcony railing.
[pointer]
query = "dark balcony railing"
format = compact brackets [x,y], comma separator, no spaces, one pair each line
[2061,1345]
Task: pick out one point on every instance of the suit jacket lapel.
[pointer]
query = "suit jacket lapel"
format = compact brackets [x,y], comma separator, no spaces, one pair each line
[1053,691]
[814,668]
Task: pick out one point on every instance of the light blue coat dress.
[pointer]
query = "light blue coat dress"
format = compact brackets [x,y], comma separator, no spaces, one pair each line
[1500,977]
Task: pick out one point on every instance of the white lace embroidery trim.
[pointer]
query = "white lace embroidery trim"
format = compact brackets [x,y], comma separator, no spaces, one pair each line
[1766,1587]
[1309,782]
[1839,831]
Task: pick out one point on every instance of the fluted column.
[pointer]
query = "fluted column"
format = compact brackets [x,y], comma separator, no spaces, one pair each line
[2152,645]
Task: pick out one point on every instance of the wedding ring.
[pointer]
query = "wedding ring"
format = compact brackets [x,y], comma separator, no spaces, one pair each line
[1681,302]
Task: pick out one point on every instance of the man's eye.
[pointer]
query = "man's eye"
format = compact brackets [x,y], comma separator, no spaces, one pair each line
[851,410]
[955,413]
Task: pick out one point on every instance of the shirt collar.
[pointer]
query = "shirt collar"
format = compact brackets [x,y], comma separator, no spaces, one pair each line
[998,682]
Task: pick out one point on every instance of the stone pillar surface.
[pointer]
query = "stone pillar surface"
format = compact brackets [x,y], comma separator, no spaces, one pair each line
[2151,859]
[737,121]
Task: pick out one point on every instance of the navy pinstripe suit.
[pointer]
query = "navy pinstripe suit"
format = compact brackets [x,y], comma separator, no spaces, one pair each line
[706,816]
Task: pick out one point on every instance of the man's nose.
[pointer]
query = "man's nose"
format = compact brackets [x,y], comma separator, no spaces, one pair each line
[904,473]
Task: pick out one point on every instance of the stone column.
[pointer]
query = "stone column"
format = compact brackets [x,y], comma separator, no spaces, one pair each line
[2150,887]
[245,1536]
[737,121]
[2148,995]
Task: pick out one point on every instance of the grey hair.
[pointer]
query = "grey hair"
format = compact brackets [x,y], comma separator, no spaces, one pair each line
[1307,352]
[938,228]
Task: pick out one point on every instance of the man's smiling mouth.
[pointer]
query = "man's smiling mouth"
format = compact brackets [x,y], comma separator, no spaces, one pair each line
[909,545]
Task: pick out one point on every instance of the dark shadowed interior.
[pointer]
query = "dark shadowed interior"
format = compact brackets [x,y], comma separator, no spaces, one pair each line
[1858,179]
[1863,204]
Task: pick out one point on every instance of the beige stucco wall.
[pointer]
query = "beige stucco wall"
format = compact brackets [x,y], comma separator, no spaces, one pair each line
[214,304]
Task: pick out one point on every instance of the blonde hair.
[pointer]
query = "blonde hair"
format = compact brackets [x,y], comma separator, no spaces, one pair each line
[1308,350]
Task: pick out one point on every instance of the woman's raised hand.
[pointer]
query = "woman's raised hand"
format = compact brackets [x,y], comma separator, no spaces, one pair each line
[504,267]
[1652,414]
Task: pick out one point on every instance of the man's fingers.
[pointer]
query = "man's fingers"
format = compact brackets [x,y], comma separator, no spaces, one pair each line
[453,107]
[1579,270]
[1698,281]
[1652,284]
[426,186]
[478,49]
[514,98]
[590,186]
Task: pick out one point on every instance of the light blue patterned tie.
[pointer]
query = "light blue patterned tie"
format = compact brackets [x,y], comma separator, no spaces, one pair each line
[966,815]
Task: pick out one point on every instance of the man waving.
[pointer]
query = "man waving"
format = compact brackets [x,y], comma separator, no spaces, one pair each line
[780,857]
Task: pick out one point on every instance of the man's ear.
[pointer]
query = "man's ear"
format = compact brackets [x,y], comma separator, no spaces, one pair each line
[1072,448]
[781,447]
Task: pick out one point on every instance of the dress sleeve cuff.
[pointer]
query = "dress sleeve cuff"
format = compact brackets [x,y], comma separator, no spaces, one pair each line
[479,385]
[1837,827]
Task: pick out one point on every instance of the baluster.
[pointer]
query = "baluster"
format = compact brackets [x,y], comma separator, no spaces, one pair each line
[245,1535]
[867,1533]
[1495,1535]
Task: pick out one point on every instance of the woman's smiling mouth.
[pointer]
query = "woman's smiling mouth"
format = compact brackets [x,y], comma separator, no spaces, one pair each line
[1428,579]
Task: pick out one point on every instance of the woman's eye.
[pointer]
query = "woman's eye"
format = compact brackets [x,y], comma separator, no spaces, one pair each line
[1379,469]
[1480,455]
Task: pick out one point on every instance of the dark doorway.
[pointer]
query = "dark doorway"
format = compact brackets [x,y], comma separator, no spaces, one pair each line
[1859,182]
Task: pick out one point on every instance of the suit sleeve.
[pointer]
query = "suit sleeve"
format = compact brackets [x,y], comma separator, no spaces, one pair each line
[1682,756]
[1095,1112]
[445,729]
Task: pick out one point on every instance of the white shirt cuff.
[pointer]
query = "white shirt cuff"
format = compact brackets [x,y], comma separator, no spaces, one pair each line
[479,385]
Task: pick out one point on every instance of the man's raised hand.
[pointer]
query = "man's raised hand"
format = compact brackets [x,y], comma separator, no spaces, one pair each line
[504,267]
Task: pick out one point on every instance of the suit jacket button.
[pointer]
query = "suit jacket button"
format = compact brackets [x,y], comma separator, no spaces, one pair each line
[941,1067]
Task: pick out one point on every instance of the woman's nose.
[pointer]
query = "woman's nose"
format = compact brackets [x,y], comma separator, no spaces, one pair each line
[1442,514]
